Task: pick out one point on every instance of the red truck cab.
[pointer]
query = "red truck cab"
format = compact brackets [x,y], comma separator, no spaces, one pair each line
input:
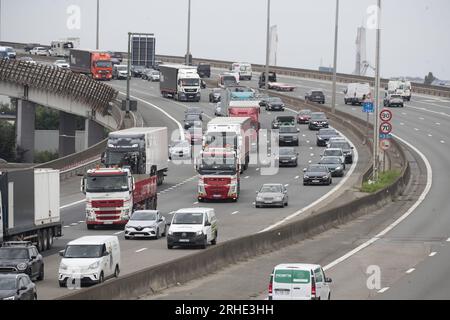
[101,66]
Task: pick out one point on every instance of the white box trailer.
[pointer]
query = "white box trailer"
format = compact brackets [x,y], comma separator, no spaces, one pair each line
[46,196]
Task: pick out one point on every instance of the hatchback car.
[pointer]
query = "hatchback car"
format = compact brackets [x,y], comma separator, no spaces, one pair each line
[317,174]
[146,223]
[15,286]
[21,257]
[315,96]
[271,195]
[334,164]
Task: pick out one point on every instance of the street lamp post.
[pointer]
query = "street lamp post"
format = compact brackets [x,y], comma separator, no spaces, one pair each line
[267,47]
[376,138]
[336,31]
[188,50]
[98,25]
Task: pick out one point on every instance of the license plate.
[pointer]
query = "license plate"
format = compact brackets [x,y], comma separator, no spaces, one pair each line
[108,222]
[268,201]
[285,161]
[184,240]
[217,196]
[315,181]
[282,292]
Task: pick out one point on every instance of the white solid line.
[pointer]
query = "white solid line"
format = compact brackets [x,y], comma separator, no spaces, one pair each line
[196,202]
[448,240]
[72,204]
[399,220]
[236,212]
[81,221]
[410,270]
[66,227]
[286,185]
[74,224]
[325,196]
[247,177]
[430,135]
[383,290]
[433,254]
[140,250]
[120,232]
[309,161]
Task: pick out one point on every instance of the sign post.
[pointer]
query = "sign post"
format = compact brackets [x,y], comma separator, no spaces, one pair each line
[385,133]
[368,107]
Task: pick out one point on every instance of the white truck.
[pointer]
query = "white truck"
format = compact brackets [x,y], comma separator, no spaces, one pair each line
[356,93]
[29,206]
[243,69]
[231,133]
[139,149]
[402,88]
[180,82]
[61,48]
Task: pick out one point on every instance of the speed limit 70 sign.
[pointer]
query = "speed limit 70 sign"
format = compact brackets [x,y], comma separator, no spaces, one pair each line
[386,128]
[386,115]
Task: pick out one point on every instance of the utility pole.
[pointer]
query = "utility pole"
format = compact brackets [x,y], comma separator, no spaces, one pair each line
[128,68]
[98,25]
[267,47]
[336,32]
[188,50]
[376,138]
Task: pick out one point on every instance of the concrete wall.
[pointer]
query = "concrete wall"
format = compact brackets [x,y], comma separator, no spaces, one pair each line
[48,140]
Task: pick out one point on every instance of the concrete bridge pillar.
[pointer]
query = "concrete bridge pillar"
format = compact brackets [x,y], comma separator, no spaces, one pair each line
[67,127]
[93,133]
[25,124]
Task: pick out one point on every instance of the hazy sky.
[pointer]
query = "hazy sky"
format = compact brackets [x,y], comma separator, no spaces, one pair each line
[415,33]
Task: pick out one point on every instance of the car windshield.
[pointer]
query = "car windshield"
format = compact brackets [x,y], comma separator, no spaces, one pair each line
[270,189]
[287,151]
[396,97]
[330,160]
[144,215]
[14,253]
[327,132]
[188,218]
[333,153]
[318,116]
[288,129]
[340,145]
[105,183]
[305,112]
[83,251]
[7,283]
[317,169]
[317,93]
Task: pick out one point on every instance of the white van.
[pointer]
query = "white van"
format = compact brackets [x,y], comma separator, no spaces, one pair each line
[89,260]
[356,93]
[299,282]
[193,227]
[244,70]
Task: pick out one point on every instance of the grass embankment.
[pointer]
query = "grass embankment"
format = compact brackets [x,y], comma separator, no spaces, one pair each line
[385,179]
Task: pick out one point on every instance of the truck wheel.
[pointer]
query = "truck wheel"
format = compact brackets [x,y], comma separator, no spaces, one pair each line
[116,271]
[40,241]
[45,239]
[50,238]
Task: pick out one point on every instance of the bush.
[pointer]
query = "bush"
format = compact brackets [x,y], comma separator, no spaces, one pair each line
[386,179]
[45,156]
[7,141]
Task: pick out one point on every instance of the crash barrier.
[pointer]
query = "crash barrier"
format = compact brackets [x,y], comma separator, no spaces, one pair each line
[184,269]
[419,88]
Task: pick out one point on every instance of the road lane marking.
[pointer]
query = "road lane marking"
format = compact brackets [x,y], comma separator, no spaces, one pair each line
[120,232]
[416,129]
[66,227]
[438,123]
[448,240]
[196,202]
[257,169]
[247,177]
[81,221]
[442,141]
[297,177]
[72,204]
[235,212]
[286,185]
[433,254]
[383,290]
[74,224]
[410,271]
[402,124]
[399,220]
[140,250]
[430,135]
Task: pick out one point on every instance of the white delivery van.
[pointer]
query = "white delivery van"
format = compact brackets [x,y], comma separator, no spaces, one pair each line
[193,227]
[243,69]
[299,282]
[89,260]
[356,93]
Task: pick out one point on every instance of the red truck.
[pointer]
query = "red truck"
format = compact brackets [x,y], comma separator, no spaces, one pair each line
[95,64]
[112,194]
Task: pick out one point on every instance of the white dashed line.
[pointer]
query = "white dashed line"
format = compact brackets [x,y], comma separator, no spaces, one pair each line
[74,224]
[196,202]
[312,154]
[286,185]
[430,135]
[247,177]
[120,232]
[81,221]
[383,290]
[421,118]
[442,141]
[402,124]
[438,123]
[307,141]
[404,113]
[236,212]
[309,161]
[66,227]
[140,250]
[416,129]
[410,271]
[433,254]
[310,148]
[297,177]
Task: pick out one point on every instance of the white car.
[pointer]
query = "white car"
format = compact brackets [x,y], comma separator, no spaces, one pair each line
[334,152]
[39,51]
[146,223]
[27,60]
[297,281]
[193,227]
[153,75]
[180,149]
[61,64]
[89,260]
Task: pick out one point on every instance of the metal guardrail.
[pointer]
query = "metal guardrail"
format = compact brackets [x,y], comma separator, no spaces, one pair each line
[59,81]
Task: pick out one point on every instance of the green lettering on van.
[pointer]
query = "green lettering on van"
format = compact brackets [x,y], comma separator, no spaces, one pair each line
[292,276]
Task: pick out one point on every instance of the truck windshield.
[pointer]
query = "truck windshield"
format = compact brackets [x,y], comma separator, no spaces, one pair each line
[221,141]
[188,218]
[103,183]
[83,251]
[220,165]
[103,64]
[14,253]
[190,82]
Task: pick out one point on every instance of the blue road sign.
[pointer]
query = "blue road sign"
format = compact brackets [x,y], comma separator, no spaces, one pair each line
[368,107]
[385,136]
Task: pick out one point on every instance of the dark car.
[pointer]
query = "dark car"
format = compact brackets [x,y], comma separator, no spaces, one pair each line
[317,174]
[287,157]
[283,121]
[215,95]
[274,104]
[303,116]
[394,100]
[324,135]
[21,257]
[262,78]
[334,164]
[318,121]
[288,135]
[17,286]
[137,71]
[347,149]
[262,99]
[315,96]
[191,120]
[204,70]
[194,110]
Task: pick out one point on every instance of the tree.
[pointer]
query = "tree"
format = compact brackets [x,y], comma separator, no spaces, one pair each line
[7,141]
[429,79]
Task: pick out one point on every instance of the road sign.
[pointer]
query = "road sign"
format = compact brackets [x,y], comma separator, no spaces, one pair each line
[385,136]
[385,128]
[385,144]
[368,107]
[386,115]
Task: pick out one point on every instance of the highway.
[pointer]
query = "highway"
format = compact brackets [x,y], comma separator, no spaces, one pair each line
[179,191]
[412,256]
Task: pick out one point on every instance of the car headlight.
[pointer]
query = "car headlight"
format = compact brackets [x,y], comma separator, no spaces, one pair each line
[95,265]
[62,266]
[338,168]
[10,298]
[325,177]
[259,199]
[295,138]
[170,233]
[22,266]
[199,233]
[319,138]
[279,198]
[306,177]
[293,158]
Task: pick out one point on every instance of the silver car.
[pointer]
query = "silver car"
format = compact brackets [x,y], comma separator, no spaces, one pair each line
[145,224]
[272,195]
[180,149]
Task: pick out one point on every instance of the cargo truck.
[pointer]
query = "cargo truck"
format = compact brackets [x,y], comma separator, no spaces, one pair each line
[29,206]
[180,82]
[95,64]
[231,133]
[219,175]
[112,194]
[139,149]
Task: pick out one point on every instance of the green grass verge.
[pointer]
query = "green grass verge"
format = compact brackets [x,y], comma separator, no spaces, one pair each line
[385,179]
